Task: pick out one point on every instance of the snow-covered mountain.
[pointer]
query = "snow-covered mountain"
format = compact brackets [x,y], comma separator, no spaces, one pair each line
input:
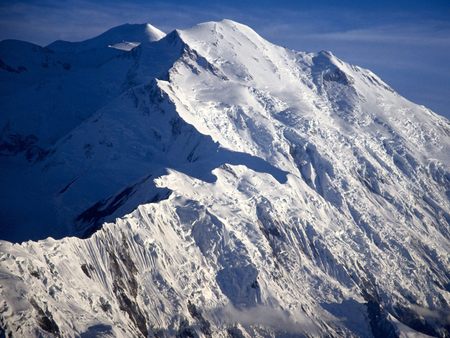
[247,189]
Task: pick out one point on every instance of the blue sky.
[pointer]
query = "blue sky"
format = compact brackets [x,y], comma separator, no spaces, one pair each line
[407,43]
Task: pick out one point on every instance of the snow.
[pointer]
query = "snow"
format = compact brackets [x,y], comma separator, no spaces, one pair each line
[247,189]
[153,33]
[127,32]
[125,45]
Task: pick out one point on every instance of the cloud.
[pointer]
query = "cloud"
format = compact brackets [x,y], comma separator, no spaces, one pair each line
[266,316]
[408,49]
[431,315]
[408,34]
[73,20]
[48,20]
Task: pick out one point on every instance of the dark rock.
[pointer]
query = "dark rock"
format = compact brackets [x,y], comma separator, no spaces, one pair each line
[205,326]
[45,319]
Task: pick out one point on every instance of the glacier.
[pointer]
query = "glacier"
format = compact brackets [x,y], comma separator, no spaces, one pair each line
[208,183]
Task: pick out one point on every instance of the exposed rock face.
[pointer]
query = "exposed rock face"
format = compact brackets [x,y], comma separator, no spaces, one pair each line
[259,192]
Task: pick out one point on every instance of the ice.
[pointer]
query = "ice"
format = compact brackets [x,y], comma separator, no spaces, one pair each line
[210,183]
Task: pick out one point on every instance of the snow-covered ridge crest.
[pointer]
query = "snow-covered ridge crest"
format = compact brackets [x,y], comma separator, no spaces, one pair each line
[152,34]
[258,191]
[136,33]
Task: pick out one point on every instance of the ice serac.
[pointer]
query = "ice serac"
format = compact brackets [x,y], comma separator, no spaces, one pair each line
[258,191]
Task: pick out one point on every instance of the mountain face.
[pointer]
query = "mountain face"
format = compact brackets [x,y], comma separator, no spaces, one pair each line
[207,183]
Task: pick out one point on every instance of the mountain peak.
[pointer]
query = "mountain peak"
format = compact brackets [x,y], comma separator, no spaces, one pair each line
[154,33]
[220,29]
[247,185]
[116,37]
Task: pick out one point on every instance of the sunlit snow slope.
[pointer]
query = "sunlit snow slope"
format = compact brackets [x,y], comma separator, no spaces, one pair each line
[258,191]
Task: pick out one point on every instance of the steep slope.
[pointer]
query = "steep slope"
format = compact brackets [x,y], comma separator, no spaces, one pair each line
[46,93]
[79,77]
[261,192]
[131,33]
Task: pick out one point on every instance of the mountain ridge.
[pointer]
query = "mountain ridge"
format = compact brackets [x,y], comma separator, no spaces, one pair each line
[127,32]
[237,171]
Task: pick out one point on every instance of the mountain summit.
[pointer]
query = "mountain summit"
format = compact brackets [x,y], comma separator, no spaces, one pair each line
[131,33]
[214,184]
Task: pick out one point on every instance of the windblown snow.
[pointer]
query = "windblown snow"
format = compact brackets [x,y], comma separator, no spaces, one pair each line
[208,183]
